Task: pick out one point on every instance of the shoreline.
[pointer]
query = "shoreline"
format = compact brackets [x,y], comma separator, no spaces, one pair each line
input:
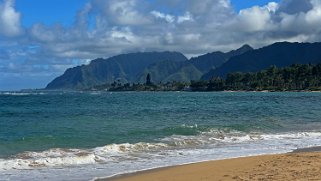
[96,90]
[244,168]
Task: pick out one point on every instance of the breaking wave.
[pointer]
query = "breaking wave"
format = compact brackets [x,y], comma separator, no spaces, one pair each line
[175,144]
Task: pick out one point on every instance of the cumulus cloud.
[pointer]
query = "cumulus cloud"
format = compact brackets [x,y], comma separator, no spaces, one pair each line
[289,20]
[106,28]
[166,17]
[272,7]
[253,19]
[186,17]
[305,22]
[9,19]
[171,18]
[122,12]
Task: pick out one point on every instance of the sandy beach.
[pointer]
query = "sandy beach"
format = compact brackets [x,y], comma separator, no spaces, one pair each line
[302,165]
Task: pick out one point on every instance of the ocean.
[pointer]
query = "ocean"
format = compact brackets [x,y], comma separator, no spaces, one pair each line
[86,135]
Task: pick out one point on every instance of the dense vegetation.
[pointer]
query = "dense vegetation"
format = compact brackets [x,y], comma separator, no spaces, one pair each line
[295,77]
[282,54]
[169,86]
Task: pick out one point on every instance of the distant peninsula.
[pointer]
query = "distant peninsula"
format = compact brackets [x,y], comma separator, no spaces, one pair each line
[281,66]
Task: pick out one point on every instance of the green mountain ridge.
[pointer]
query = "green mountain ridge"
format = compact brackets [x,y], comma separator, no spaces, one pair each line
[174,66]
[123,68]
[280,54]
[133,68]
[193,69]
[214,60]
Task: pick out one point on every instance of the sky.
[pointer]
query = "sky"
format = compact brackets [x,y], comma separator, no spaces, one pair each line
[40,39]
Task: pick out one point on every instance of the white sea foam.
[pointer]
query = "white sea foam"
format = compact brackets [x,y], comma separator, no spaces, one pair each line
[49,158]
[117,152]
[120,158]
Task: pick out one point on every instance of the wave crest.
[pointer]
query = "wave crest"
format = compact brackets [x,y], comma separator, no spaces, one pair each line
[167,146]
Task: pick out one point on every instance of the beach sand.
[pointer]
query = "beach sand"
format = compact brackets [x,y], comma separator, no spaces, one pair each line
[300,165]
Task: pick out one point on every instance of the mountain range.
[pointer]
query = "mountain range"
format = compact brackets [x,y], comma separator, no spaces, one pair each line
[280,54]
[174,66]
[123,68]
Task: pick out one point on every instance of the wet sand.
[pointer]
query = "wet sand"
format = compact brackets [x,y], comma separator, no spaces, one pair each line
[302,164]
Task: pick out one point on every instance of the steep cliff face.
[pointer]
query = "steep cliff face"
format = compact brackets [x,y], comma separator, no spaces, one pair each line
[214,60]
[125,68]
[192,69]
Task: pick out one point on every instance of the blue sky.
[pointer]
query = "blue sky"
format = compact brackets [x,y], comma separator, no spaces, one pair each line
[40,39]
[48,11]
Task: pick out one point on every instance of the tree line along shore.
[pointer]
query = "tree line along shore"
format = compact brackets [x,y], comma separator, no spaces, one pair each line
[297,77]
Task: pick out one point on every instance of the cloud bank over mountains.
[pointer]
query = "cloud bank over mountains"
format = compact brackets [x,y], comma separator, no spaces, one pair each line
[106,28]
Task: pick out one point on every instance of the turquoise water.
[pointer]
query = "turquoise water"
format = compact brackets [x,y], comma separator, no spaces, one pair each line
[95,127]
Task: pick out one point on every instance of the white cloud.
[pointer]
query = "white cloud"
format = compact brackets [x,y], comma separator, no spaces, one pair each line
[272,7]
[166,17]
[169,38]
[193,37]
[313,17]
[186,17]
[124,35]
[121,12]
[9,19]
[253,19]
[171,19]
[306,23]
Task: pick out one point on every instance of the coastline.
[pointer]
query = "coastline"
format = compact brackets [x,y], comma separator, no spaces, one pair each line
[210,126]
[300,164]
